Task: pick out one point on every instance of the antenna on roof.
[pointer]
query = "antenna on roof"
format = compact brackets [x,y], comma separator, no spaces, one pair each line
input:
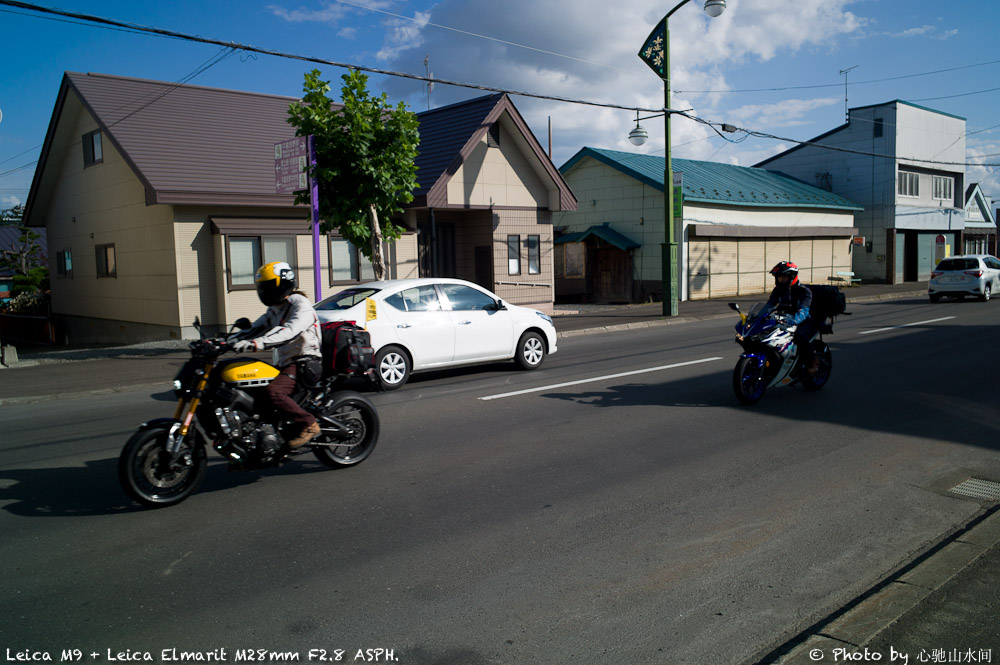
[430,83]
[843,72]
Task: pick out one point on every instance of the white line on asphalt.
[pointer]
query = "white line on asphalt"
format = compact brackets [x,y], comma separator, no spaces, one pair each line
[598,378]
[905,325]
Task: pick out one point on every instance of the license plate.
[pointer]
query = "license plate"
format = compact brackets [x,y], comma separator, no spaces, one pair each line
[954,278]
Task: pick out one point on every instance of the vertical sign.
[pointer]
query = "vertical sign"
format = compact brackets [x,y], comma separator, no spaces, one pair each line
[292,159]
[291,165]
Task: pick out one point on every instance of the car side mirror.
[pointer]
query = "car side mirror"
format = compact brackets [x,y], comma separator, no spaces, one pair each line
[500,306]
[243,323]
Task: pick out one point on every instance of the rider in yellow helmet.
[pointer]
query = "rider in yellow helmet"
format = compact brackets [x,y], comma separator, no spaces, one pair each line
[289,326]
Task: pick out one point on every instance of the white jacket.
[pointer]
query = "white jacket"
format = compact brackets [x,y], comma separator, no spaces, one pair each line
[292,330]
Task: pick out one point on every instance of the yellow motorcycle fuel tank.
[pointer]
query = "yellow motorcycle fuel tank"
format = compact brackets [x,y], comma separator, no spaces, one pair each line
[246,373]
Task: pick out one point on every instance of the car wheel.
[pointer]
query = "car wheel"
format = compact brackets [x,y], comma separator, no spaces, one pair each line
[935,297]
[392,366]
[985,294]
[530,350]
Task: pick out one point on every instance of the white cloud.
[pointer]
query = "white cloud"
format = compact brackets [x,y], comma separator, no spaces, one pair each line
[9,202]
[598,44]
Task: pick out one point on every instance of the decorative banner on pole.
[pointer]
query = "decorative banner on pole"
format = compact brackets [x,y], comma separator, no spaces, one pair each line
[652,51]
[678,195]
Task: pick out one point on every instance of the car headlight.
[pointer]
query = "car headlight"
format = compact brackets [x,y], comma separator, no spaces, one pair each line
[544,316]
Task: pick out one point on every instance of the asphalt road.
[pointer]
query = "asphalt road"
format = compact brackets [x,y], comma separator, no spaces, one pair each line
[616,506]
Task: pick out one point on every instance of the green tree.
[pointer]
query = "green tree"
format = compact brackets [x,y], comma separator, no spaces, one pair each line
[365,154]
[12,216]
[24,254]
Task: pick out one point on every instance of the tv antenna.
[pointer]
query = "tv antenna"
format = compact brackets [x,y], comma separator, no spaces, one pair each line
[843,72]
[430,82]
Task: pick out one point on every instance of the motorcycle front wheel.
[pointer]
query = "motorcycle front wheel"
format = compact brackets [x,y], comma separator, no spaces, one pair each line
[150,476]
[748,380]
[357,414]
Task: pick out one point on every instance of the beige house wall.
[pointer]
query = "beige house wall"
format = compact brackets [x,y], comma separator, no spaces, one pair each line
[101,204]
[739,266]
[498,177]
[532,290]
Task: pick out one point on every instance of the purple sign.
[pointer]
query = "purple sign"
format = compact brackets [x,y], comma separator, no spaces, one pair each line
[291,164]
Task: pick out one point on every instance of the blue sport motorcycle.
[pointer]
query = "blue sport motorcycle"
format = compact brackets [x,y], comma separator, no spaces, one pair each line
[771,356]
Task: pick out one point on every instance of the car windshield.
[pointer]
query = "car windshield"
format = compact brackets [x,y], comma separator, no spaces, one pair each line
[958,264]
[346,299]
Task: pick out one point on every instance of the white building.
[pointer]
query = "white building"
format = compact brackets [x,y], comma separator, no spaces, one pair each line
[906,165]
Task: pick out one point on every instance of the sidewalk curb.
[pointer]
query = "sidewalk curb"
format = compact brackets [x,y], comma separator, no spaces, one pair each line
[864,619]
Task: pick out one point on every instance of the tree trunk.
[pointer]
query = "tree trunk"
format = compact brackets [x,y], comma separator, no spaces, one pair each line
[378,260]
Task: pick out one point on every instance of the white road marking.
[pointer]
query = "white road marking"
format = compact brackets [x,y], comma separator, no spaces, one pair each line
[905,325]
[599,378]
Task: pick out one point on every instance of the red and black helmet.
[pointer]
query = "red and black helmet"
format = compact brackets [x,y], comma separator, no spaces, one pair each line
[787,268]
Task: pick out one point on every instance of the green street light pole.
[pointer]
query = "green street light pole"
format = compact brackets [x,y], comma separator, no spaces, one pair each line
[656,53]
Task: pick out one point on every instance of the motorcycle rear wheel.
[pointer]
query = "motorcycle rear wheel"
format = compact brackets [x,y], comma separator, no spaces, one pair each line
[749,382]
[146,475]
[357,413]
[822,375]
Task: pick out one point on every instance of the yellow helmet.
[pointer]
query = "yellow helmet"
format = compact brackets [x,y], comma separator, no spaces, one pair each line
[274,281]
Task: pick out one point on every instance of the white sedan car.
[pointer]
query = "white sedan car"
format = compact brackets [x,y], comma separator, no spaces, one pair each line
[433,323]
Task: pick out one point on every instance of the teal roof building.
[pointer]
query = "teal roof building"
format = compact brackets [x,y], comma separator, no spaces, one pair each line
[735,223]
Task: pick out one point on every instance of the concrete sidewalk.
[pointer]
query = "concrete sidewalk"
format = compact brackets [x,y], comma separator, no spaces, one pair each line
[941,607]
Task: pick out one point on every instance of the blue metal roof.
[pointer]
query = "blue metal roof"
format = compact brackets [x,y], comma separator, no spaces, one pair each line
[605,233]
[725,184]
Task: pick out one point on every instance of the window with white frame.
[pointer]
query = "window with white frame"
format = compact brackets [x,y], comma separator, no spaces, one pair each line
[533,245]
[908,184]
[349,264]
[107,265]
[943,188]
[513,255]
[248,253]
[93,152]
[64,264]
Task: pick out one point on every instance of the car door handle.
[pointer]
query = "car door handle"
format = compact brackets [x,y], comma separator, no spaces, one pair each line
[403,325]
[464,323]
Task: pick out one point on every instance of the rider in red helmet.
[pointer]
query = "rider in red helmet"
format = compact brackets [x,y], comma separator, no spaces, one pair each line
[792,298]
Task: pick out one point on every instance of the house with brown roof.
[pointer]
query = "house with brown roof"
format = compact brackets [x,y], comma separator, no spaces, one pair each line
[160,203]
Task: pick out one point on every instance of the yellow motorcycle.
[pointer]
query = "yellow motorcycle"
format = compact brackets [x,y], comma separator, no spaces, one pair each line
[223,404]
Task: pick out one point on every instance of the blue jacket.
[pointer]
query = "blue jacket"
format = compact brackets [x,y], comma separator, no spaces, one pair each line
[795,299]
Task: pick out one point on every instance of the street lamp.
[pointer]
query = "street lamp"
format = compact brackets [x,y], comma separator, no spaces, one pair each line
[656,53]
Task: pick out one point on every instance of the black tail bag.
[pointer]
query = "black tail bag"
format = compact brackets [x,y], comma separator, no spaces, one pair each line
[347,349]
[828,301]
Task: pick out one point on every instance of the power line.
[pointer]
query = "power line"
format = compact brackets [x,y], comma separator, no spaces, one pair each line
[837,85]
[234,46]
[320,61]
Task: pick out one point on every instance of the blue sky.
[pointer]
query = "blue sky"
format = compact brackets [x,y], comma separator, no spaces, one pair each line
[772,66]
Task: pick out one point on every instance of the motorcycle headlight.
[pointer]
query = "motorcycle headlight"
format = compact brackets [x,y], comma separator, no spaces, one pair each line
[177,384]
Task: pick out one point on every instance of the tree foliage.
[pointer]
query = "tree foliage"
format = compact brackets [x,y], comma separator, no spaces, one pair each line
[25,258]
[365,154]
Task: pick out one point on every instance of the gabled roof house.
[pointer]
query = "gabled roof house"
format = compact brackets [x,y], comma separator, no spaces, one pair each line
[160,198]
[735,223]
[980,222]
